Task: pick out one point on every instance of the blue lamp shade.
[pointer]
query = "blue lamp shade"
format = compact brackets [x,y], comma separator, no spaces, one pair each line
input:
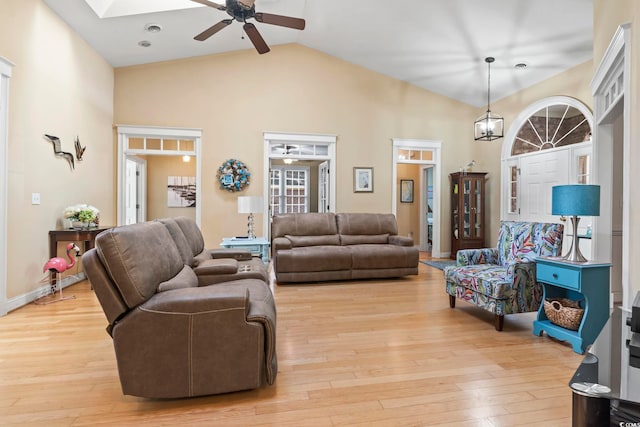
[578,200]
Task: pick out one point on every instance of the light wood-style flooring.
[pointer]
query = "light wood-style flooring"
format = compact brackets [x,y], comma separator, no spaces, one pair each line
[362,353]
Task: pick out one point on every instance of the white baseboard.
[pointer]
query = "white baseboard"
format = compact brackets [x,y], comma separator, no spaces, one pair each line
[44,290]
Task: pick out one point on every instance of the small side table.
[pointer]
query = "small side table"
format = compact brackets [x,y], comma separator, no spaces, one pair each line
[258,246]
[575,280]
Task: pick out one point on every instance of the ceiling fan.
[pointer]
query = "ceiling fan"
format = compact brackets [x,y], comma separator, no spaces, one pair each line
[241,10]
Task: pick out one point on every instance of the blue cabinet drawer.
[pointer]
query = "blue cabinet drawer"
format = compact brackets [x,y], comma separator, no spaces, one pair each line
[556,275]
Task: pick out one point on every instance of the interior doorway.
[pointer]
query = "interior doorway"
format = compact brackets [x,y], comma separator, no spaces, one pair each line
[421,160]
[301,174]
[139,145]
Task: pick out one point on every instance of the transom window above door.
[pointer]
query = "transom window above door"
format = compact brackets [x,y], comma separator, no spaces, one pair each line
[552,126]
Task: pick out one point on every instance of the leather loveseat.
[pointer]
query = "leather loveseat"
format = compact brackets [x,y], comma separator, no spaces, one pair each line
[312,247]
[173,338]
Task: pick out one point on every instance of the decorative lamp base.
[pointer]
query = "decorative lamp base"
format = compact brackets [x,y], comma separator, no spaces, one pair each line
[250,233]
[574,254]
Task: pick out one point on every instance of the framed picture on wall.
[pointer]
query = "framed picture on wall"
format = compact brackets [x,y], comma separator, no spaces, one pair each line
[406,191]
[362,180]
[181,191]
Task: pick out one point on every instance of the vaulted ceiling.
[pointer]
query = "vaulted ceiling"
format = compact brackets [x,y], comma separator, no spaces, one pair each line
[439,45]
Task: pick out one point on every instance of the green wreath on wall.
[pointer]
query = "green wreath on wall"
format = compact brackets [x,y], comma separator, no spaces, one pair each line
[233,175]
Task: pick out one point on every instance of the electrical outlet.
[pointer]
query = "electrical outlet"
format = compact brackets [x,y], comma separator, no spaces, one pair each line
[35,198]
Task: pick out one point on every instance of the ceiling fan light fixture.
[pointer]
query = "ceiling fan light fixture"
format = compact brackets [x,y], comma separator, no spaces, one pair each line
[490,126]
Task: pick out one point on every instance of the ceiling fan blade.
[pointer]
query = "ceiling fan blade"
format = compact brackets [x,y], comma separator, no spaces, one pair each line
[283,21]
[211,4]
[213,29]
[256,38]
[247,4]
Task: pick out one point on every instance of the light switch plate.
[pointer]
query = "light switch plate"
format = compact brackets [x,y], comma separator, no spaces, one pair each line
[35,198]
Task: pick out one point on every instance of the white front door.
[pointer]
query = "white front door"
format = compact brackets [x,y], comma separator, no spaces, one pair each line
[539,173]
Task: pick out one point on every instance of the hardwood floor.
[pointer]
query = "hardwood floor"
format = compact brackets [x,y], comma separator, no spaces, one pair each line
[379,352]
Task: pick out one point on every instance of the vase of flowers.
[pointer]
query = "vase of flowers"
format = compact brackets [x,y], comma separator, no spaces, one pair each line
[82,216]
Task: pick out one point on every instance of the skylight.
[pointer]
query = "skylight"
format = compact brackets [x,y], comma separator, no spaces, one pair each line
[116,8]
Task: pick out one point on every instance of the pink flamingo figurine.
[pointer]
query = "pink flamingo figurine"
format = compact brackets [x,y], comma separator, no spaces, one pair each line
[58,265]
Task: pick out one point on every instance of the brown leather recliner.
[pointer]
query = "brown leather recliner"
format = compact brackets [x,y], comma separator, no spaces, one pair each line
[171,337]
[212,265]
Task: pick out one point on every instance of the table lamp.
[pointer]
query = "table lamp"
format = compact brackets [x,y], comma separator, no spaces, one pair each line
[250,205]
[574,200]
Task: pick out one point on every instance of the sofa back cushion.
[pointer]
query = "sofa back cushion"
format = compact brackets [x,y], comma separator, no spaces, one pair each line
[528,240]
[303,224]
[324,240]
[138,258]
[366,224]
[183,245]
[192,233]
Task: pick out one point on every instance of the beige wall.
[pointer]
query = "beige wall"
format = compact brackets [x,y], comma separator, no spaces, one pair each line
[59,86]
[159,168]
[235,97]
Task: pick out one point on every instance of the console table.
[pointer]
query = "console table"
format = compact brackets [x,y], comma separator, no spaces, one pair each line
[588,281]
[87,236]
[258,246]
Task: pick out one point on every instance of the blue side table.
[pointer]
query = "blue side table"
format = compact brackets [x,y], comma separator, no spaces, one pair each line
[576,281]
[258,246]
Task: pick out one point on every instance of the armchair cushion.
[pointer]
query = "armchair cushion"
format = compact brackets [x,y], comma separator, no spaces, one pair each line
[478,256]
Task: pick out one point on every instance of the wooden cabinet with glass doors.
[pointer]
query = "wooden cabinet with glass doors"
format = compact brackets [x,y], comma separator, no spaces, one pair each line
[467,211]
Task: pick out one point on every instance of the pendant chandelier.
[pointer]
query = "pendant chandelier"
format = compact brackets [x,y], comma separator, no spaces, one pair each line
[490,126]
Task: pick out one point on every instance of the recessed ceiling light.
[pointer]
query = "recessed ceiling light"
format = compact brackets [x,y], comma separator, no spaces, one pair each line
[153,28]
[144,43]
[520,66]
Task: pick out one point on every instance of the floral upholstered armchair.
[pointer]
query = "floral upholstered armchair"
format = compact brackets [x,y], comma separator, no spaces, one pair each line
[502,280]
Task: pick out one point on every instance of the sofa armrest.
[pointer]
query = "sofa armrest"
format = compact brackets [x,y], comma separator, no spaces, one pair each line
[281,243]
[477,256]
[400,240]
[237,254]
[217,266]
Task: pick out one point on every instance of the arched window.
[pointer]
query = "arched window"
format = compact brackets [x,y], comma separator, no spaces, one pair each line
[554,125]
[549,143]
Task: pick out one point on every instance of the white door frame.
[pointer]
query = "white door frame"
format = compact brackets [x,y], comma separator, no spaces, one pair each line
[275,138]
[436,148]
[125,132]
[5,75]
[610,84]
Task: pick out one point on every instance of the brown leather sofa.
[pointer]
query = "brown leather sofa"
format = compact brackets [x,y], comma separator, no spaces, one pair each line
[173,338]
[212,265]
[312,247]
